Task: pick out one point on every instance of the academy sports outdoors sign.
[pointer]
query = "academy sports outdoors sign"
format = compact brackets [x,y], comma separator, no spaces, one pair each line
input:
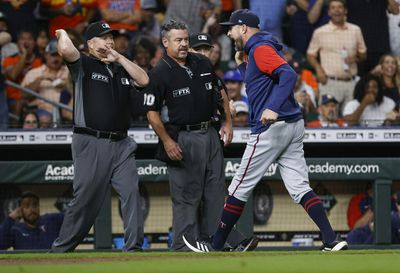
[153,170]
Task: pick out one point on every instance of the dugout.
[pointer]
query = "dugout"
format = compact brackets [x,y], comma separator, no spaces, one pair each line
[41,160]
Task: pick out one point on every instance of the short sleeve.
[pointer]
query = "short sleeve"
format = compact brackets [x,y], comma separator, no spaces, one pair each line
[267,59]
[314,46]
[154,94]
[350,107]
[75,68]
[361,47]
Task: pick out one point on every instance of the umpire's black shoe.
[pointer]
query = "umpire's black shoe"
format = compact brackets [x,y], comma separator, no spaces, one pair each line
[336,245]
[248,244]
[197,246]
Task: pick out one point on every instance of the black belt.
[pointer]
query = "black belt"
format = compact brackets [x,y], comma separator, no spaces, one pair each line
[101,134]
[342,79]
[202,126]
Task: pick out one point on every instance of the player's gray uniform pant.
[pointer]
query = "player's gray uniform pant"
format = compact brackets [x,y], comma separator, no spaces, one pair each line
[281,143]
[200,179]
[99,162]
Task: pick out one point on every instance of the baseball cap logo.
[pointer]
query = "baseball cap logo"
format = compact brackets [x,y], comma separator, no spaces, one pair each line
[202,37]
[105,25]
[240,21]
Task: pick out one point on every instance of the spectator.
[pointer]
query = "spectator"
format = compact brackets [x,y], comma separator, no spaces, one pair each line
[77,39]
[142,57]
[328,114]
[299,28]
[30,120]
[307,76]
[331,43]
[65,14]
[5,38]
[188,11]
[20,16]
[233,82]
[8,48]
[388,71]
[157,56]
[216,58]
[394,32]
[121,42]
[304,94]
[35,232]
[121,14]
[42,39]
[318,13]
[15,68]
[3,105]
[240,114]
[48,80]
[371,17]
[369,107]
[66,98]
[271,14]
[229,6]
[150,25]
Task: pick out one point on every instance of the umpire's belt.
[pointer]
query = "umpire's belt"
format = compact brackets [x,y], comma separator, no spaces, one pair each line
[118,135]
[202,126]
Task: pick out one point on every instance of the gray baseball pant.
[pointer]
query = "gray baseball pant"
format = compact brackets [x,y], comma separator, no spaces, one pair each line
[200,179]
[281,143]
[99,162]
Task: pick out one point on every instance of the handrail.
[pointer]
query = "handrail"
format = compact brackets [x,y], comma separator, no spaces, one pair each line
[33,93]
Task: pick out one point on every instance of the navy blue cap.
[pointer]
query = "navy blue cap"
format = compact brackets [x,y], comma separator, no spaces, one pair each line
[233,75]
[51,47]
[328,98]
[243,17]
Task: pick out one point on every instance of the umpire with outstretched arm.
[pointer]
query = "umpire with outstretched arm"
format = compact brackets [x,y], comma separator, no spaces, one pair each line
[101,151]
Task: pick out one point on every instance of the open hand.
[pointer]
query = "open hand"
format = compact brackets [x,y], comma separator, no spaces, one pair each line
[111,55]
[173,150]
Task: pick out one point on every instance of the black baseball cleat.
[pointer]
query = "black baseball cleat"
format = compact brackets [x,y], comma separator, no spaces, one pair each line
[197,246]
[248,244]
[336,245]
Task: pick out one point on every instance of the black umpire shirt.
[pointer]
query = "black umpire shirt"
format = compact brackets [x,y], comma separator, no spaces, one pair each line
[185,95]
[102,94]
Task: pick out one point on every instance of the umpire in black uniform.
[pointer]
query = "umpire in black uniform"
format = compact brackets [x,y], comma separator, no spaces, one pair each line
[101,150]
[184,103]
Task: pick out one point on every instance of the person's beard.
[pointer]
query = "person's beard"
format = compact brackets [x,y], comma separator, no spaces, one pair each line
[332,116]
[239,44]
[31,220]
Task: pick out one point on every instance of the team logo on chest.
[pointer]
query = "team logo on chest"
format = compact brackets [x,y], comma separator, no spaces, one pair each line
[99,77]
[125,81]
[208,85]
[181,92]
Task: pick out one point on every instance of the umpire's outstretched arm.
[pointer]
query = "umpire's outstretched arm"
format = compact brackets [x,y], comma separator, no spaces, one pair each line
[66,48]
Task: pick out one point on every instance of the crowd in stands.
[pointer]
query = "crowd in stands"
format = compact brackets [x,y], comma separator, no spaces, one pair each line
[346,54]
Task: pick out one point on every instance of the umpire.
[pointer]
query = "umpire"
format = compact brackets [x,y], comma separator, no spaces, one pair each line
[101,150]
[184,103]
